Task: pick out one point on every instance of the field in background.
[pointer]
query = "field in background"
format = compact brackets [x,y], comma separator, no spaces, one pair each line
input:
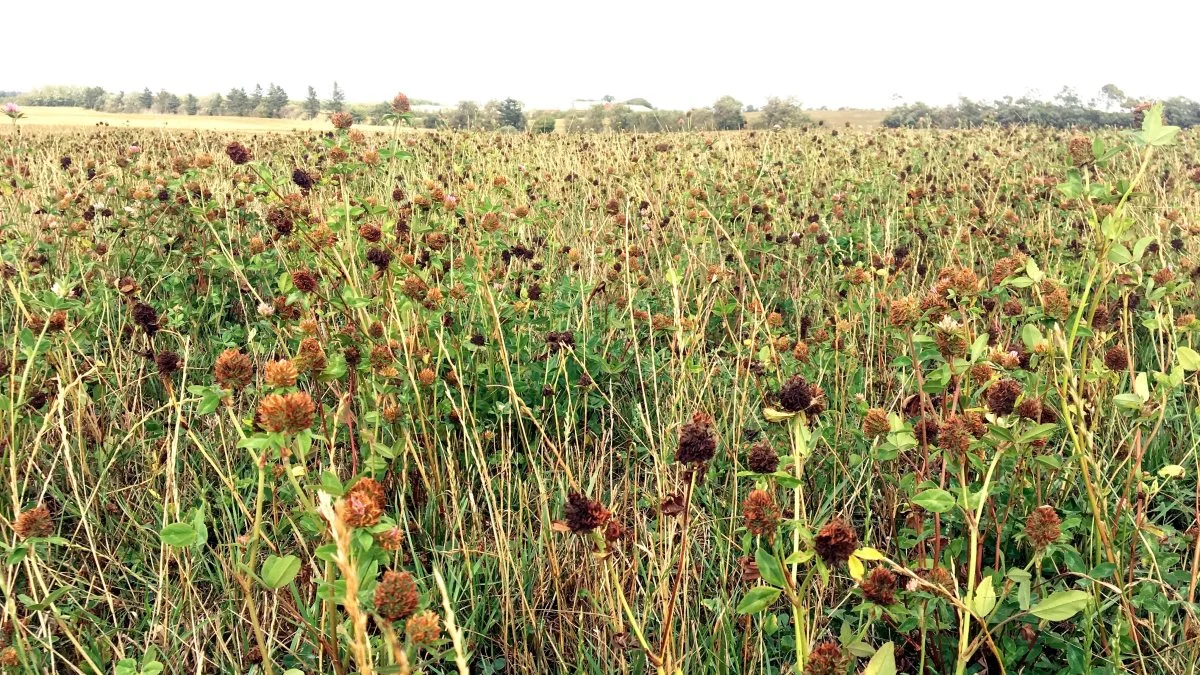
[81,117]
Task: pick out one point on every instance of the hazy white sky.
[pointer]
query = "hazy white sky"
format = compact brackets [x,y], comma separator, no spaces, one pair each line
[858,53]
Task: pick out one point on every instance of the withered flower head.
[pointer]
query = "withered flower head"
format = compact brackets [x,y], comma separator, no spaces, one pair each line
[363,504]
[761,514]
[835,542]
[763,458]
[304,280]
[1117,359]
[827,658]
[233,369]
[795,395]
[238,153]
[400,104]
[1043,527]
[396,596]
[145,316]
[379,257]
[35,522]
[697,442]
[287,413]
[423,629]
[1002,396]
[879,586]
[303,179]
[583,514]
[281,374]
[876,423]
[167,363]
[341,120]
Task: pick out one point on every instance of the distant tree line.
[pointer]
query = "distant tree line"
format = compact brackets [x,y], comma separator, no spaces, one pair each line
[273,102]
[1111,108]
[726,113]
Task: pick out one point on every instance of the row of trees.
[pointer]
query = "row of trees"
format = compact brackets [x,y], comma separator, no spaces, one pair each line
[726,113]
[271,102]
[1111,108]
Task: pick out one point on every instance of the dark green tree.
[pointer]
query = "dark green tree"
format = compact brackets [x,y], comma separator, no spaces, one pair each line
[275,101]
[146,99]
[727,114]
[256,102]
[337,100]
[191,106]
[312,104]
[511,114]
[237,102]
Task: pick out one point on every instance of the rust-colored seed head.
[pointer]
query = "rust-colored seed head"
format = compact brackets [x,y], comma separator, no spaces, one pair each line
[903,312]
[697,442]
[233,369]
[341,120]
[35,522]
[390,540]
[381,258]
[976,425]
[880,586]
[423,629]
[287,413]
[1002,396]
[1043,527]
[1117,359]
[761,514]
[795,395]
[835,542]
[363,504]
[371,232]
[238,153]
[427,377]
[304,280]
[302,179]
[763,458]
[281,374]
[1081,149]
[876,423]
[145,316]
[167,363]
[400,104]
[827,658]
[396,596]
[583,514]
[954,435]
[9,657]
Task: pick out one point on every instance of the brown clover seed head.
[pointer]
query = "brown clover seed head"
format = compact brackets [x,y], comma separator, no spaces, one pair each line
[761,514]
[280,374]
[954,435]
[363,504]
[342,120]
[762,458]
[35,522]
[795,395]
[876,423]
[827,658]
[423,629]
[583,514]
[396,596]
[280,220]
[145,316]
[1117,359]
[400,104]
[835,542]
[303,179]
[304,280]
[1080,149]
[287,413]
[233,369]
[697,442]
[371,232]
[238,153]
[1002,396]
[879,586]
[427,377]
[379,257]
[1043,527]
[167,363]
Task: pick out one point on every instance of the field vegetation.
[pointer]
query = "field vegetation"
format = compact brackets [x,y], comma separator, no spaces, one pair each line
[821,400]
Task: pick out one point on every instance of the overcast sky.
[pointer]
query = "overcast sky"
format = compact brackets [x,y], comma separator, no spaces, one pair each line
[546,53]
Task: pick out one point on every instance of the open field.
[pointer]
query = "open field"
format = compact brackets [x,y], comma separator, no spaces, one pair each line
[884,401]
[38,117]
